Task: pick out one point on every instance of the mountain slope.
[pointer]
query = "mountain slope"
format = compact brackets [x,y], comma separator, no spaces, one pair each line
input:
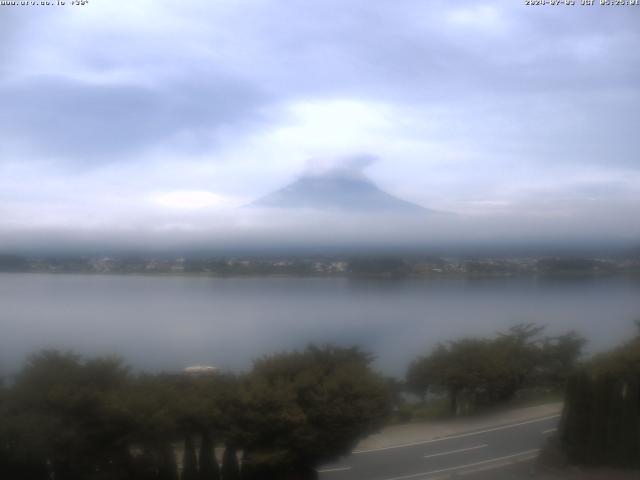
[332,192]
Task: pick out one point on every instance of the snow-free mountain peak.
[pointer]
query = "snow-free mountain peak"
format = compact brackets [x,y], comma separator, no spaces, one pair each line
[337,191]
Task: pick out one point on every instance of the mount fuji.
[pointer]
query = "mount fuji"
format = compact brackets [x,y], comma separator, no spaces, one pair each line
[337,191]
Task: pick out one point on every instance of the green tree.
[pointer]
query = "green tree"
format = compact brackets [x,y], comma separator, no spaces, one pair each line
[230,466]
[305,408]
[65,412]
[167,468]
[559,357]
[601,419]
[207,464]
[420,376]
[150,403]
[484,371]
[189,460]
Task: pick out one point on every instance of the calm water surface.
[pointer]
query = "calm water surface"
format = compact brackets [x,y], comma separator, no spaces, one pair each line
[171,322]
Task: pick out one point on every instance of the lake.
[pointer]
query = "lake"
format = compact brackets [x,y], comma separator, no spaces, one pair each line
[167,323]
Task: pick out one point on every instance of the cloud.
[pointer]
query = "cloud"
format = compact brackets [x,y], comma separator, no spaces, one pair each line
[480,108]
[191,200]
[59,118]
[483,17]
[342,166]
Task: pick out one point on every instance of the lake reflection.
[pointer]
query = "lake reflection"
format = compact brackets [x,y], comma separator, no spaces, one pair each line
[170,322]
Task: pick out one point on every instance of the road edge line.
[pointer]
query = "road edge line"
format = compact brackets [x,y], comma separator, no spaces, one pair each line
[454,436]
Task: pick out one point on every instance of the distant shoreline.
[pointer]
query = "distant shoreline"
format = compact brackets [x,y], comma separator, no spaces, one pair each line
[321,266]
[566,275]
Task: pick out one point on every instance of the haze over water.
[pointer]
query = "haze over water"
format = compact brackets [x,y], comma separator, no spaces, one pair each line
[170,322]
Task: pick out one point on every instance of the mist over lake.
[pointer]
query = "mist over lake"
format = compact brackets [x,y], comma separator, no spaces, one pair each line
[166,323]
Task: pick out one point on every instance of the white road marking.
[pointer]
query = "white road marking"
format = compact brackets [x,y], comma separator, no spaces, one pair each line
[452,437]
[494,465]
[456,451]
[337,469]
[460,467]
[551,430]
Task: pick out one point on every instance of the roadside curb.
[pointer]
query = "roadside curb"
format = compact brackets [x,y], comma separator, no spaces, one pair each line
[399,436]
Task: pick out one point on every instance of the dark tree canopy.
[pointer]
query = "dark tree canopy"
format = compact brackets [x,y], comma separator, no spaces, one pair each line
[91,419]
[477,371]
[67,413]
[601,420]
[230,466]
[304,408]
[208,468]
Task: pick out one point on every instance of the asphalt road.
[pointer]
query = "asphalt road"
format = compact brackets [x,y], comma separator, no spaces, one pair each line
[469,453]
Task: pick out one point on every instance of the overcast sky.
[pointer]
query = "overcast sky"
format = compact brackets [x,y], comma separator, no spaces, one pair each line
[162,115]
